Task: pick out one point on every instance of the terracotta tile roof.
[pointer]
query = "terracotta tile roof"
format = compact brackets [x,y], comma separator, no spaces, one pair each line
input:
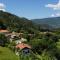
[22,45]
[4,31]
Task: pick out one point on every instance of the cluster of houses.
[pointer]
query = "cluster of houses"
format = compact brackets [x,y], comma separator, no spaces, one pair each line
[17,37]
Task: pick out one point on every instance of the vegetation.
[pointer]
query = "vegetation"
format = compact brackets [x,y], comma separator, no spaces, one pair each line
[44,40]
[7,54]
[49,22]
[46,47]
[15,23]
[3,40]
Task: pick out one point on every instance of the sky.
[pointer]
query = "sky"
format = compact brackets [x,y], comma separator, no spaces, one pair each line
[32,9]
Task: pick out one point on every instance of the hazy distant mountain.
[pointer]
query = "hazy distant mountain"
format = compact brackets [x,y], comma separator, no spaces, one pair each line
[54,22]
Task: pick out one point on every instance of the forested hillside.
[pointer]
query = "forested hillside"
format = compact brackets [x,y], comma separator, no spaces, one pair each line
[15,23]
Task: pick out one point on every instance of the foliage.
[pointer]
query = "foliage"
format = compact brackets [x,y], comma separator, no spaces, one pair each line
[15,23]
[44,41]
[29,56]
[3,40]
[46,46]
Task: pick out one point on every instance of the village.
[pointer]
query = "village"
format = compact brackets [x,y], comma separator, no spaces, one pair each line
[16,42]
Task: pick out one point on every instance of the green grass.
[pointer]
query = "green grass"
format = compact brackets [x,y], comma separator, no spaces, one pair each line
[58,44]
[7,54]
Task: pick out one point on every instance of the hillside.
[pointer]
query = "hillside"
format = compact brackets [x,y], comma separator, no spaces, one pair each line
[7,54]
[15,23]
[54,21]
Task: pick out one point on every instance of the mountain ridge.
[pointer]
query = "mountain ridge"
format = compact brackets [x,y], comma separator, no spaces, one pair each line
[50,21]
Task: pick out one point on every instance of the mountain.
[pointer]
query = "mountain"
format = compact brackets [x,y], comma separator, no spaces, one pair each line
[14,23]
[54,21]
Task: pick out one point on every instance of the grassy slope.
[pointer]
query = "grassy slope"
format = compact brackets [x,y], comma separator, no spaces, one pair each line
[6,54]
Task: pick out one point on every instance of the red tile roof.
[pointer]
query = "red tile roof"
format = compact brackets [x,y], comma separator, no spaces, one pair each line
[4,31]
[22,45]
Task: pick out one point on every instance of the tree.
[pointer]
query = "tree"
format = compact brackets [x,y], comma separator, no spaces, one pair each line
[3,40]
[46,42]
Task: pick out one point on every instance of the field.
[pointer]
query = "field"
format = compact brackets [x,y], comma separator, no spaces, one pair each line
[7,54]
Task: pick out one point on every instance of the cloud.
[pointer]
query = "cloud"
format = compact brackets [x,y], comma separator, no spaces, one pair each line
[58,14]
[55,15]
[54,6]
[52,15]
[2,7]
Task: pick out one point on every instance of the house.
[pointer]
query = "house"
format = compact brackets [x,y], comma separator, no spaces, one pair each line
[22,48]
[20,35]
[20,40]
[23,40]
[13,36]
[4,31]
